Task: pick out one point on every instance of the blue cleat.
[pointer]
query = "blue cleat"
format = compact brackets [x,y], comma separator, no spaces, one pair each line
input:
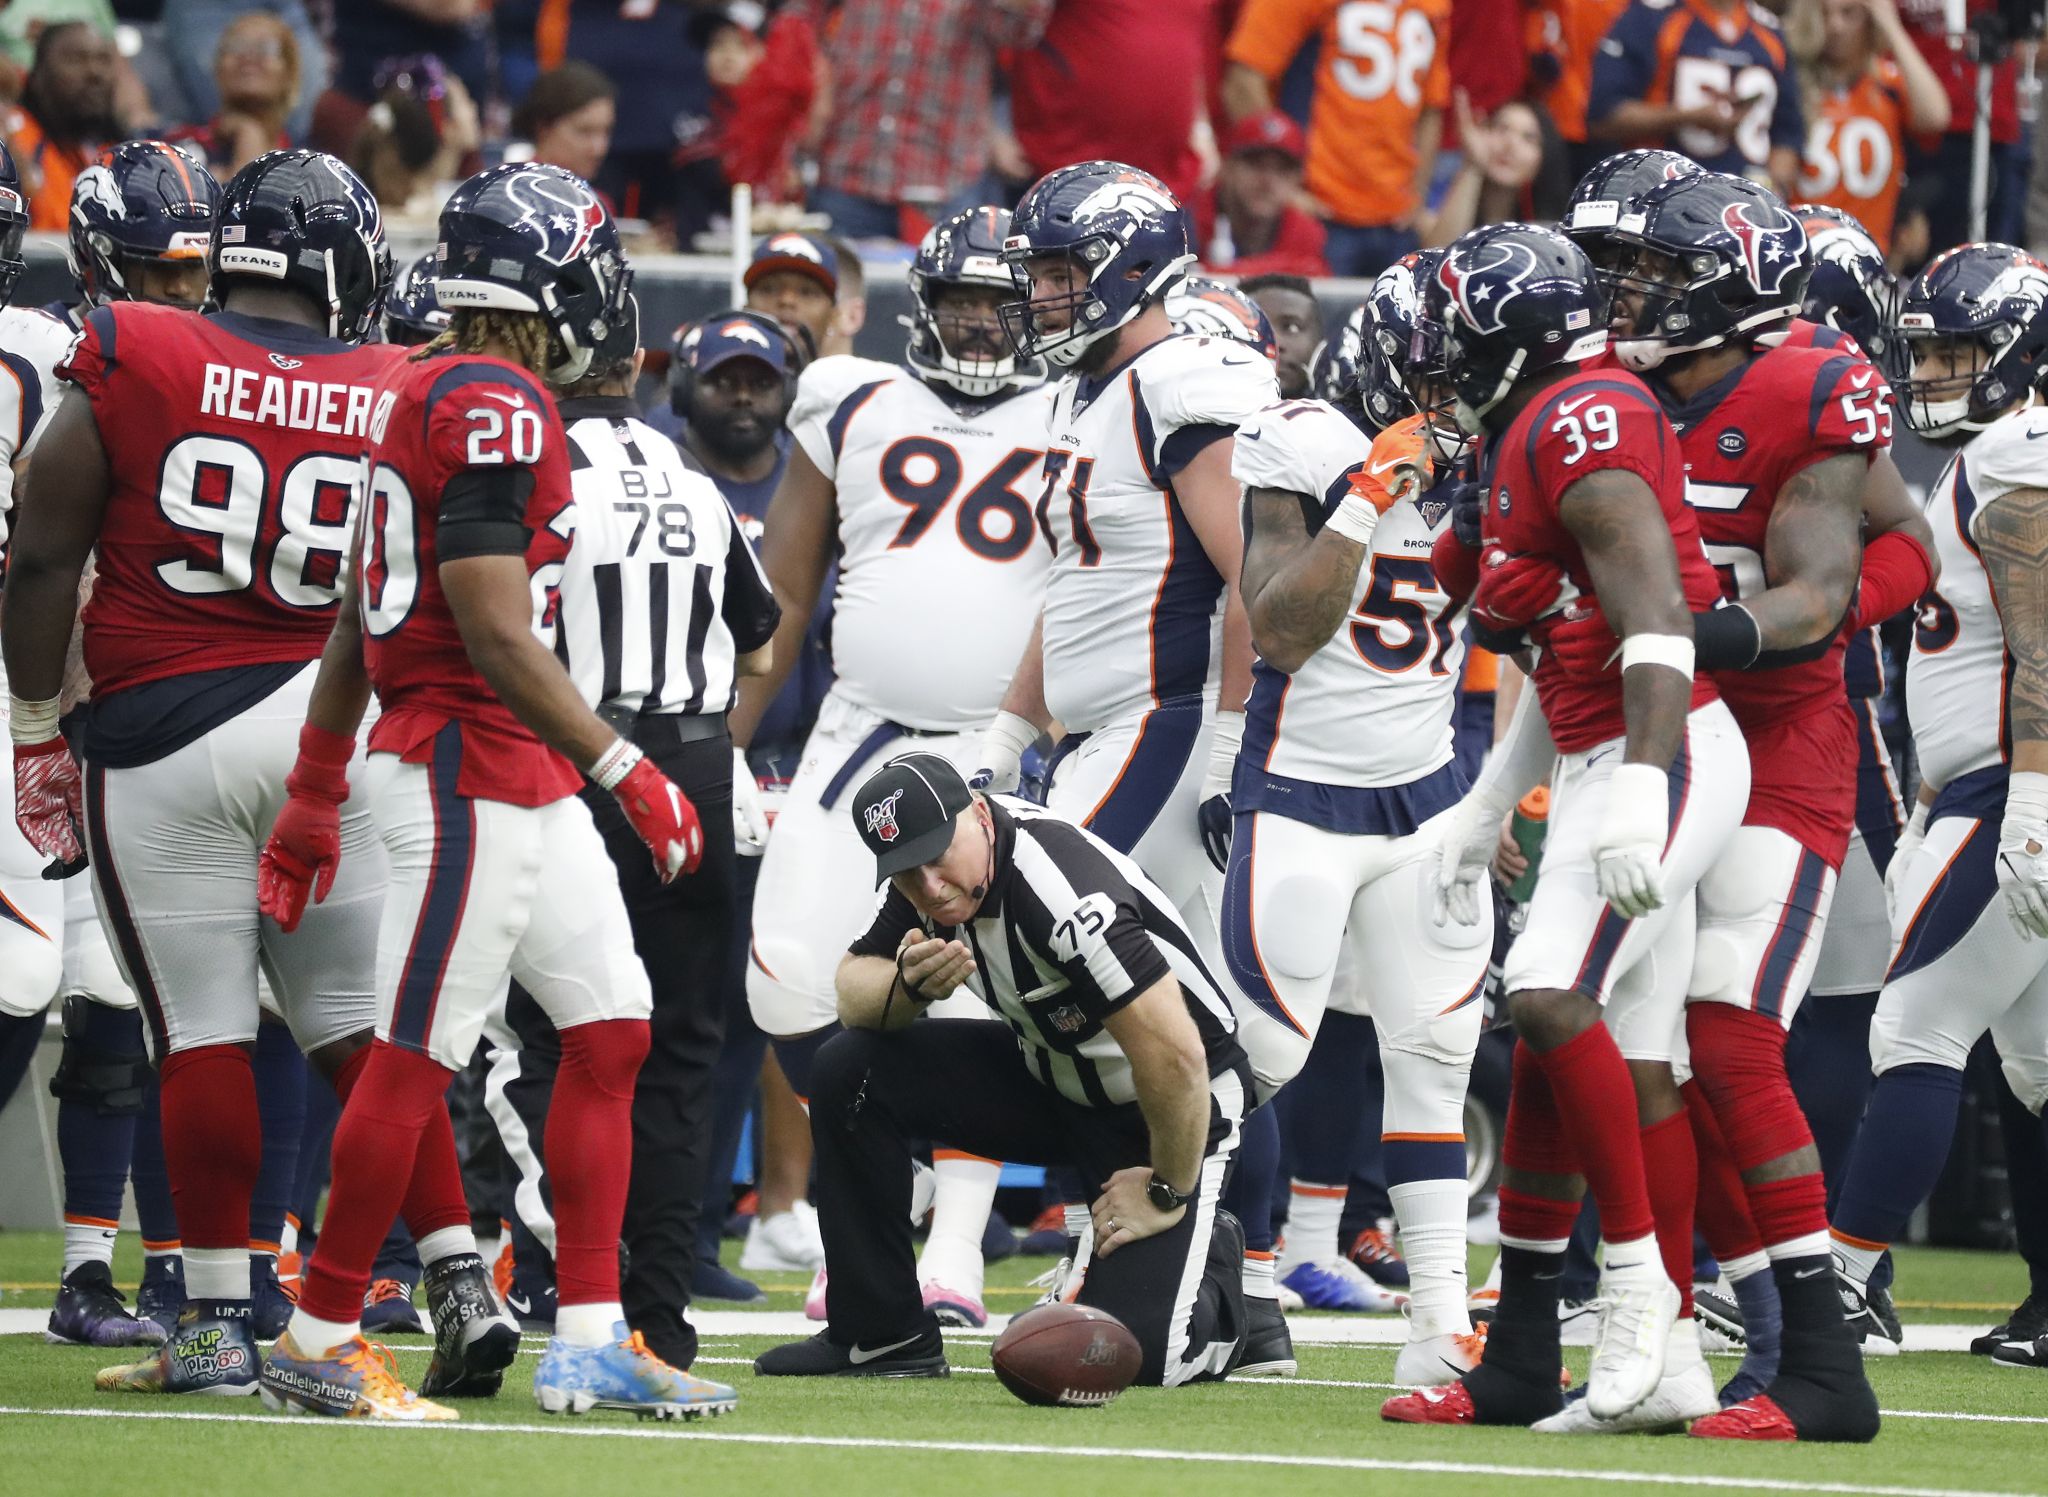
[90,1312]
[388,1310]
[210,1351]
[1340,1284]
[162,1295]
[625,1375]
[270,1307]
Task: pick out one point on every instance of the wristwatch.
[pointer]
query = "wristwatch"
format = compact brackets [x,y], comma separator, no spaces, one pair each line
[1164,1196]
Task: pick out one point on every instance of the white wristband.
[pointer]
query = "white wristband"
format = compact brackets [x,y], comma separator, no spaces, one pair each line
[615,763]
[2026,801]
[1916,824]
[33,722]
[1671,650]
[1013,731]
[1355,519]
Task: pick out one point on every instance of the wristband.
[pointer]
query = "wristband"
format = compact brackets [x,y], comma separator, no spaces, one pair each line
[33,722]
[615,763]
[1354,518]
[1013,731]
[1916,824]
[1726,638]
[1671,650]
[2026,805]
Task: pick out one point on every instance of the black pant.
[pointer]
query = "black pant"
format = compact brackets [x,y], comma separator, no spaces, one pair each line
[963,1082]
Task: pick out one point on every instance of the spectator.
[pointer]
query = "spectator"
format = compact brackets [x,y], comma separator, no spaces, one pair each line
[1115,80]
[910,88]
[191,31]
[568,115]
[369,33]
[765,90]
[1289,303]
[1249,222]
[1707,78]
[1515,167]
[656,169]
[1946,169]
[1382,83]
[849,301]
[65,119]
[1567,36]
[794,278]
[415,139]
[1865,87]
[256,80]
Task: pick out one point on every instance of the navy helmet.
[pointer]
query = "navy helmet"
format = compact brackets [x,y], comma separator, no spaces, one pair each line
[144,200]
[964,250]
[1512,300]
[1707,259]
[1393,321]
[412,312]
[1215,309]
[13,225]
[1984,302]
[534,238]
[1121,227]
[1334,372]
[1614,187]
[304,219]
[1852,290]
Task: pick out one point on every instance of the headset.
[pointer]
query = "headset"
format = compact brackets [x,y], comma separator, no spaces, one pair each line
[682,376]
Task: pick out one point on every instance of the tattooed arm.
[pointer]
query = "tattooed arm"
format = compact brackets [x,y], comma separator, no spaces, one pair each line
[2012,537]
[1812,549]
[1297,588]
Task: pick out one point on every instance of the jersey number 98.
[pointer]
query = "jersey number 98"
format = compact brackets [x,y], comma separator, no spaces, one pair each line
[217,491]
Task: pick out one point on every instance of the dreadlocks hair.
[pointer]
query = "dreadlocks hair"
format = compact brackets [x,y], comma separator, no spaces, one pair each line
[472,327]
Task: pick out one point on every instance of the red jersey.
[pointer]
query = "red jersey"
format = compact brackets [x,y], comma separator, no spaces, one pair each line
[1593,421]
[232,461]
[437,417]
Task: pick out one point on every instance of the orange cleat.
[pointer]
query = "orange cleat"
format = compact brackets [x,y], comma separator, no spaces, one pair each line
[1449,1404]
[501,1270]
[1757,1418]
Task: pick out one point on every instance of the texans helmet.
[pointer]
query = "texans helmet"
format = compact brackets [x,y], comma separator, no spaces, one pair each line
[1513,300]
[1214,309]
[1852,290]
[13,225]
[1705,259]
[1122,229]
[1335,373]
[302,218]
[1613,188]
[536,239]
[141,201]
[412,313]
[1985,303]
[964,250]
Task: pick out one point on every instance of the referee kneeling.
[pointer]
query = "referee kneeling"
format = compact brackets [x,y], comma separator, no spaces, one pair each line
[1121,1060]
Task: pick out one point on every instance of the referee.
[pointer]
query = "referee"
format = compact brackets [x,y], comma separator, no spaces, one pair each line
[663,607]
[1118,1056]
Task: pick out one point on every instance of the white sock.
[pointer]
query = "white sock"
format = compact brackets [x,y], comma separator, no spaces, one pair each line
[1313,1214]
[1432,1217]
[589,1325]
[1746,1266]
[217,1273]
[171,1249]
[1631,1257]
[1258,1276]
[448,1242]
[288,1239]
[1818,1245]
[1854,1262]
[87,1242]
[965,1191]
[316,1337]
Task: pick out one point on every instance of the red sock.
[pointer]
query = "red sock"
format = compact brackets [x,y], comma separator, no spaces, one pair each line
[1788,1210]
[1596,1100]
[392,1100]
[1723,1201]
[1738,1060]
[1535,1142]
[434,1199]
[1671,1171]
[589,1150]
[213,1143]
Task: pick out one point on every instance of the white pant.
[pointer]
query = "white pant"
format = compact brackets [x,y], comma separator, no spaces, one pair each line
[1762,908]
[1637,969]
[89,965]
[1858,940]
[482,892]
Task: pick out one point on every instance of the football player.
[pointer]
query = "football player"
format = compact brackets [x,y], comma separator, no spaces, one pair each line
[915,477]
[496,868]
[1332,853]
[412,313]
[1647,774]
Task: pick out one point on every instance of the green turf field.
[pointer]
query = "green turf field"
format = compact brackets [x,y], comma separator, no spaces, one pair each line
[1955,1424]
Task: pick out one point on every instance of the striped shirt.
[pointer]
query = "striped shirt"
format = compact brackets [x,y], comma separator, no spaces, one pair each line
[1070,932]
[661,592]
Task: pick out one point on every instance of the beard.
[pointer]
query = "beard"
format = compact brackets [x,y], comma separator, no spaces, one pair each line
[736,442]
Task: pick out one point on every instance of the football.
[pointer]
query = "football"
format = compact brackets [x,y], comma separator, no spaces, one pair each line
[1066,1356]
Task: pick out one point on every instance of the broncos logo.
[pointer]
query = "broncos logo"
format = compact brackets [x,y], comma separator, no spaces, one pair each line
[745,332]
[557,204]
[2025,279]
[96,185]
[1144,198]
[1481,287]
[1770,253]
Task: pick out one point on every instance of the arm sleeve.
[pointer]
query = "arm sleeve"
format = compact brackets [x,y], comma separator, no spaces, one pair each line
[893,916]
[748,607]
[1624,64]
[1269,32]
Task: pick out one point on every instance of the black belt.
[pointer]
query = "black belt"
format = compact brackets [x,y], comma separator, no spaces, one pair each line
[662,729]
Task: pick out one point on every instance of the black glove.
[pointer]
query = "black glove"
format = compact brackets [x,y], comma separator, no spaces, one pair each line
[1468,503]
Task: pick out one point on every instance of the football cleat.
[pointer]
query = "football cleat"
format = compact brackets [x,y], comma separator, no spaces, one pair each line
[1722,1326]
[1425,1363]
[623,1374]
[1578,1322]
[2032,1354]
[1268,1345]
[1483,1301]
[532,1300]
[162,1295]
[270,1303]
[474,1339]
[922,1355]
[1340,1284]
[208,1352]
[1048,1235]
[1640,1304]
[814,1297]
[711,1280]
[787,1242]
[356,1380]
[1685,1392]
[950,1306]
[90,1312]
[1373,1251]
[1450,1404]
[388,1307]
[2025,1323]
[1757,1418]
[1871,1316]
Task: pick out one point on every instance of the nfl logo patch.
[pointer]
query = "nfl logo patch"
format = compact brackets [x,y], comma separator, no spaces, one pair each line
[881,818]
[1067,1019]
[1433,510]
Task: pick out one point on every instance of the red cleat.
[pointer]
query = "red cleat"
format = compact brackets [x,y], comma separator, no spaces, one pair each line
[1757,1418]
[1450,1404]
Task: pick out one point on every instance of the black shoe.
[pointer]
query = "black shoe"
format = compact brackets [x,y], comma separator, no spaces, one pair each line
[1721,1313]
[922,1355]
[162,1295]
[2023,1353]
[997,1240]
[532,1301]
[1871,1316]
[474,1339]
[270,1308]
[713,1280]
[669,1335]
[2027,1323]
[90,1312]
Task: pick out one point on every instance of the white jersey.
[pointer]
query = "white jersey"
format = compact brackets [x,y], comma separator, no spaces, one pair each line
[1370,711]
[32,343]
[1134,608]
[940,569]
[1955,679]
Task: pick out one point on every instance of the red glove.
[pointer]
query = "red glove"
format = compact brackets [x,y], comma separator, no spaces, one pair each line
[1579,641]
[1456,566]
[304,849]
[660,813]
[49,803]
[1515,591]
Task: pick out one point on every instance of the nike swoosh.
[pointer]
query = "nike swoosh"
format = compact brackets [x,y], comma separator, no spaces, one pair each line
[1376,469]
[1569,406]
[519,1305]
[1807,1273]
[2035,436]
[1859,381]
[1598,755]
[517,402]
[1250,436]
[1237,363]
[859,1354]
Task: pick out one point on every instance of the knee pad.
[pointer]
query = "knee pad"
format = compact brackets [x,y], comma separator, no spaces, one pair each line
[1425,1093]
[1734,900]
[1301,926]
[1276,1052]
[610,1050]
[103,1065]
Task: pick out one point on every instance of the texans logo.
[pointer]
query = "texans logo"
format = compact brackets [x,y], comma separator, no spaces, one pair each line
[557,203]
[880,818]
[284,363]
[1767,252]
[1482,286]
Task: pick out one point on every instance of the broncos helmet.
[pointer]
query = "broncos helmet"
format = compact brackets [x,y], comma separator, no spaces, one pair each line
[141,201]
[412,313]
[1215,309]
[964,250]
[13,225]
[1852,290]
[1392,309]
[1121,227]
[1335,373]
[302,218]
[1512,300]
[1613,187]
[533,238]
[1704,259]
[1985,301]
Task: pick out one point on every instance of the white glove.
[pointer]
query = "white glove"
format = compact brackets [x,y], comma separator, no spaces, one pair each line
[749,820]
[1894,871]
[1630,843]
[1212,807]
[2023,853]
[1471,833]
[1002,753]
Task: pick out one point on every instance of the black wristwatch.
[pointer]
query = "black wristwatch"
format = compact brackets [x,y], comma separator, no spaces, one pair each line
[1164,1196]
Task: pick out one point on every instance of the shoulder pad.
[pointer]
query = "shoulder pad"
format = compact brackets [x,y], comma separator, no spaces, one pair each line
[1298,447]
[1196,381]
[2009,454]
[827,381]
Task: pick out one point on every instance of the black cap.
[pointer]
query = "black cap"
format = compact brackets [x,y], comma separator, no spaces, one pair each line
[906,809]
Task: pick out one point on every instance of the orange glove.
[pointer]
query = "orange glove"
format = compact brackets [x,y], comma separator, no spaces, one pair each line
[1397,468]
